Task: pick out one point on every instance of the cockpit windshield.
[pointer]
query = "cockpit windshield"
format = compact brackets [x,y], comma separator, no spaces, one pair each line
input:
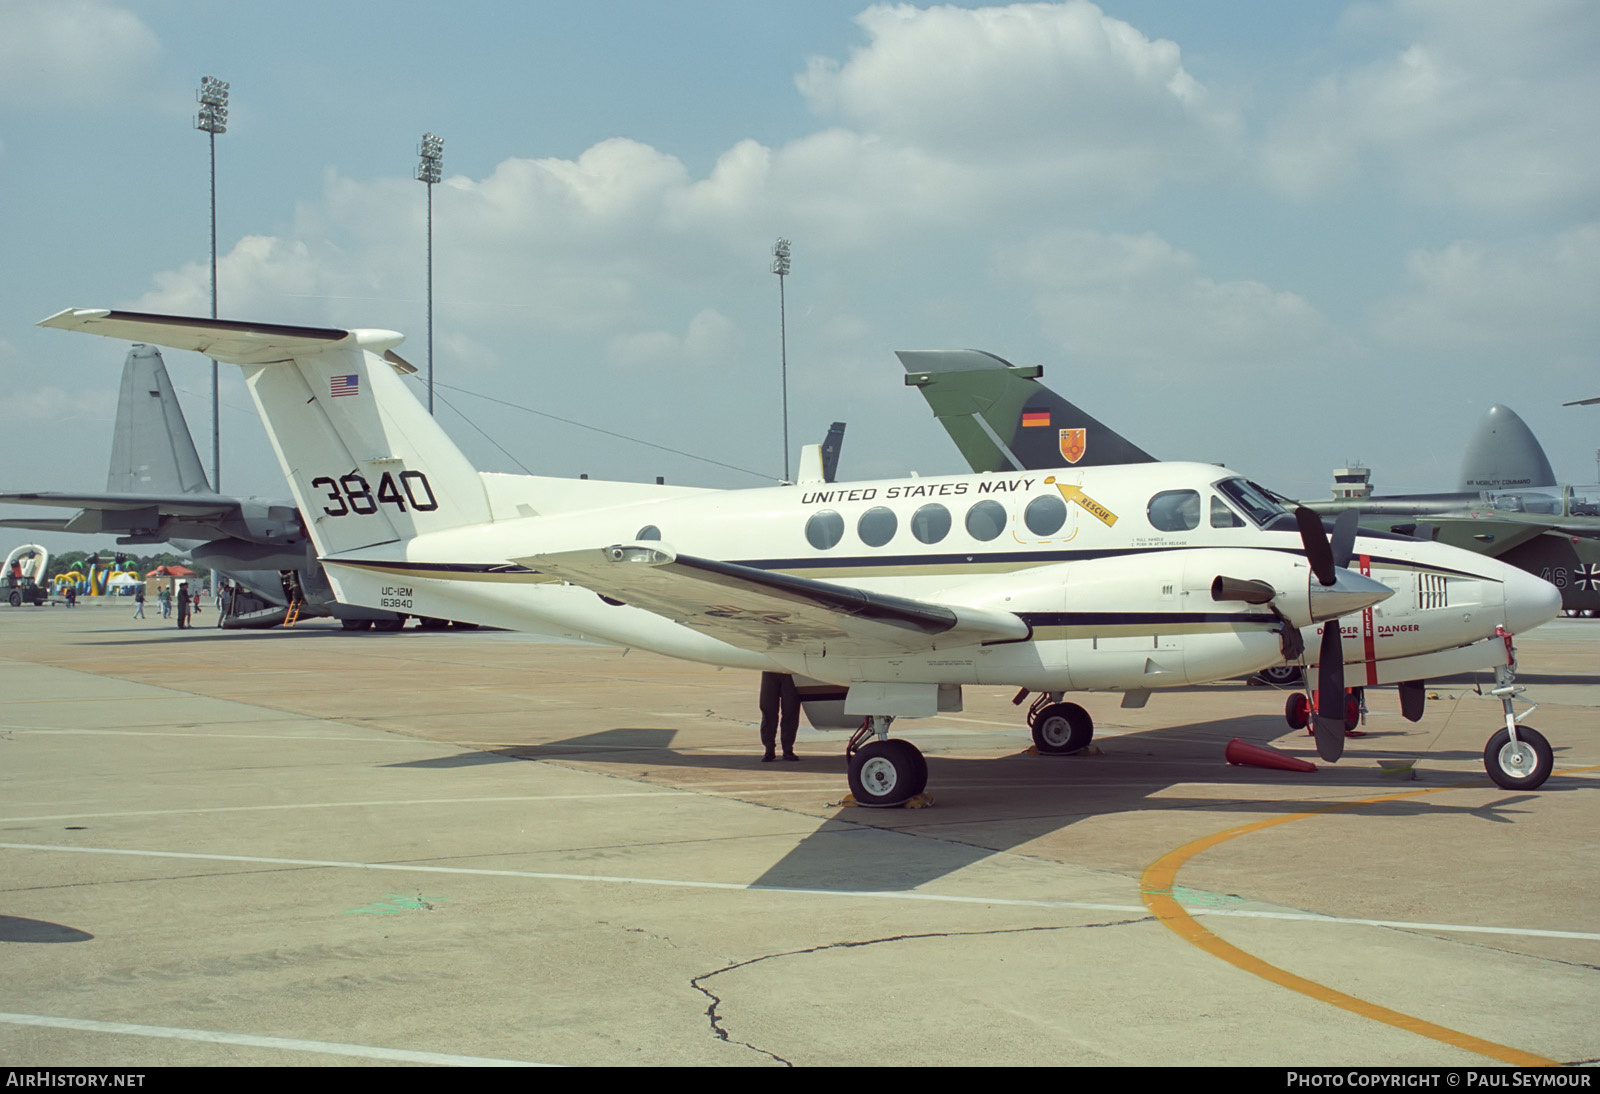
[1252,501]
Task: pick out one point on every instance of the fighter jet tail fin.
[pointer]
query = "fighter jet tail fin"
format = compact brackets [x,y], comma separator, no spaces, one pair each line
[366,462]
[1003,419]
[152,450]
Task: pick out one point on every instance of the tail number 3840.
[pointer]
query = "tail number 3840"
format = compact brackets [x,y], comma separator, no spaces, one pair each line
[352,493]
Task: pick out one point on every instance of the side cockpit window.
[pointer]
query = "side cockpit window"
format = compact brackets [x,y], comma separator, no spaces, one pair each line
[1175,511]
[1222,516]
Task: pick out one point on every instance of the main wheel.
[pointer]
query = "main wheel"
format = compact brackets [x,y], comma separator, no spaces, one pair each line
[887,772]
[1281,676]
[431,623]
[356,624]
[389,624]
[460,626]
[1297,710]
[1524,765]
[1061,728]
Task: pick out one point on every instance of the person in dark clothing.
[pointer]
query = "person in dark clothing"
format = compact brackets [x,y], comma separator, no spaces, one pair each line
[780,714]
[183,605]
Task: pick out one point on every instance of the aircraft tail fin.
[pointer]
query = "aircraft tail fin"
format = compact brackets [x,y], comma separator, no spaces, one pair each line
[152,450]
[1003,419]
[1504,454]
[365,461]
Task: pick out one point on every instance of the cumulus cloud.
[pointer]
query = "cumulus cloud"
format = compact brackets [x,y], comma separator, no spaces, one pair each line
[72,52]
[1473,295]
[711,339]
[1062,86]
[1487,106]
[1138,303]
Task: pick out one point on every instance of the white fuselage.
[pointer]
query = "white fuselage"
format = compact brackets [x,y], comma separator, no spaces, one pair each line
[1111,567]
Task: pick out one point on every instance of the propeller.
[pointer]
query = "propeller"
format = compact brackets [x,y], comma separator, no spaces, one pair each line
[1332,591]
[1327,556]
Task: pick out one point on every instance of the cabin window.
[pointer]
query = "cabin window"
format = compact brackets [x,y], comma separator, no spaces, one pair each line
[931,523]
[1222,516]
[1045,514]
[825,529]
[877,526]
[986,520]
[1175,510]
[649,531]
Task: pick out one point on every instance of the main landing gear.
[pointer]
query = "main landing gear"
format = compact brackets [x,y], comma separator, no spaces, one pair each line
[1058,728]
[887,771]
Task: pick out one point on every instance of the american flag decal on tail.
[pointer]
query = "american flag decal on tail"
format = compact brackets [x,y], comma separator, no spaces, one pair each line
[345,385]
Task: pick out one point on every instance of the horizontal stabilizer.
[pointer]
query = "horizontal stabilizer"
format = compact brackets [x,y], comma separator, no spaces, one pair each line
[220,339]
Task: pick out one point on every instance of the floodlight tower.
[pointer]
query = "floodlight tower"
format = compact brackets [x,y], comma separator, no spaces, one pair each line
[429,170]
[780,266]
[213,120]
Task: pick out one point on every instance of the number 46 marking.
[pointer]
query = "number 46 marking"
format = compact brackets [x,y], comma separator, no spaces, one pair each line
[352,493]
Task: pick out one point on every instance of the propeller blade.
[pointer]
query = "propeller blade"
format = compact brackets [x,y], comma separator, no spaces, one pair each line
[1315,541]
[1329,720]
[1343,541]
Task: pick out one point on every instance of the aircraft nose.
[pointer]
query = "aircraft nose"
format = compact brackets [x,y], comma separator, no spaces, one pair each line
[1530,600]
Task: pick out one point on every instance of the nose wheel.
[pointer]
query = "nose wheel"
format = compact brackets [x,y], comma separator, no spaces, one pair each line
[1522,764]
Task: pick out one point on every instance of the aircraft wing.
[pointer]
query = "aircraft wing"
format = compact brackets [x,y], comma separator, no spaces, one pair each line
[760,610]
[187,506]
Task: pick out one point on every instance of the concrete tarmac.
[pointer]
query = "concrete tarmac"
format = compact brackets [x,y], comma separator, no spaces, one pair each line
[317,847]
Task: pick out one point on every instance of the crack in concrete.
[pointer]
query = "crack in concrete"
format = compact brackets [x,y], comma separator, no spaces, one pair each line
[716,1019]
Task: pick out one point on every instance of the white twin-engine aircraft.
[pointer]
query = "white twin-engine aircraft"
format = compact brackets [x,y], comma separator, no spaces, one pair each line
[1127,578]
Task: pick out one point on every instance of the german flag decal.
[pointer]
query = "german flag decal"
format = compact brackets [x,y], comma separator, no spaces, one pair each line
[1031,418]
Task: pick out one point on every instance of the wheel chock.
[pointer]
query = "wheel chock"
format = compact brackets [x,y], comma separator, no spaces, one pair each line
[1243,754]
[923,800]
[1404,770]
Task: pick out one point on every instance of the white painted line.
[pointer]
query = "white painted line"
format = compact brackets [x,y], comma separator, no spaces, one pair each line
[286,1044]
[727,886]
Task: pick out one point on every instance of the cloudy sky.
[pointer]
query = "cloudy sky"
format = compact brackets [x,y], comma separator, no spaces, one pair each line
[1279,236]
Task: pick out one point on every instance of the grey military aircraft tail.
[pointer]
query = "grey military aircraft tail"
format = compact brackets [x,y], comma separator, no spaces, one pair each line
[157,492]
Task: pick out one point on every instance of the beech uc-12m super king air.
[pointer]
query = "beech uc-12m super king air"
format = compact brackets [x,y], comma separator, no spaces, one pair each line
[1124,578]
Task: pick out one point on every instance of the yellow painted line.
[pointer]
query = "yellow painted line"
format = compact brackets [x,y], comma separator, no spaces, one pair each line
[1156,889]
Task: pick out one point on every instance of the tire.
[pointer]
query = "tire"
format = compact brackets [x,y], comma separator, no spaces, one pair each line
[1281,676]
[16,599]
[1297,711]
[389,625]
[887,773]
[1514,768]
[430,623]
[1061,728]
[460,626]
[356,624]
[1352,710]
